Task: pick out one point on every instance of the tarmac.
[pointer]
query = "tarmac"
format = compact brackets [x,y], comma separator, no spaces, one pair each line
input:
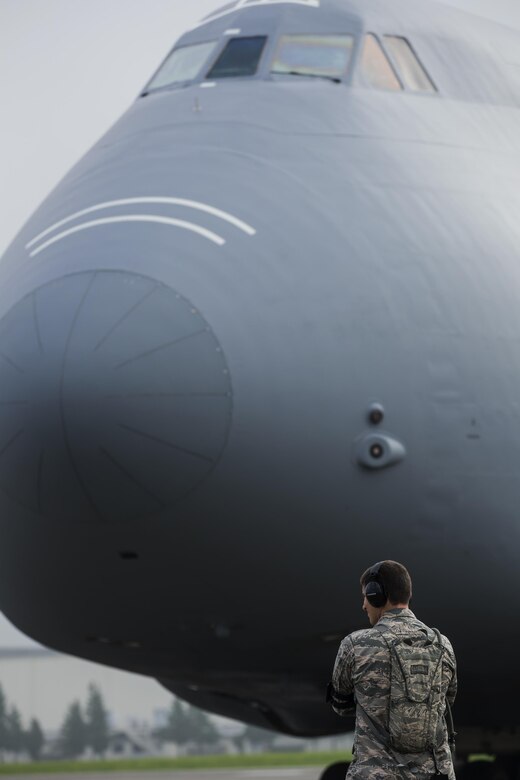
[283,773]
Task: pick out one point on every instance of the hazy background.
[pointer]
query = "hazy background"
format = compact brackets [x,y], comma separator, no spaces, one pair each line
[68,69]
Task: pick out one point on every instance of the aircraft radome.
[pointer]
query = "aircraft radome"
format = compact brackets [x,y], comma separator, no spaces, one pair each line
[265,333]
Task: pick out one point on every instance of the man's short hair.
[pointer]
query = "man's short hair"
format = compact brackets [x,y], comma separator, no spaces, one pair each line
[396,580]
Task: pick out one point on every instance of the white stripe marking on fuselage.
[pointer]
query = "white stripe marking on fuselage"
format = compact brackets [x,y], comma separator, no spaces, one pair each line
[132,218]
[192,204]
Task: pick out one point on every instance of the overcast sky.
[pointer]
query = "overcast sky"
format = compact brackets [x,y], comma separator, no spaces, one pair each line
[68,69]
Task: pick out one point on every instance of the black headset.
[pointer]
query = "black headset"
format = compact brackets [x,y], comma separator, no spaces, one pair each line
[374,586]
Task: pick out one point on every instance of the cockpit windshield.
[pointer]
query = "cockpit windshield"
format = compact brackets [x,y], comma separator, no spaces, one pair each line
[387,62]
[184,64]
[240,57]
[327,56]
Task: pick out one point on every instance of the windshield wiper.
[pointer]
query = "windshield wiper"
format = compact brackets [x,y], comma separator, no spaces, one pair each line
[305,75]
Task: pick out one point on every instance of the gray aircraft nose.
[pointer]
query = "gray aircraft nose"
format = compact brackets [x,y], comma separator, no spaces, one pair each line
[115,398]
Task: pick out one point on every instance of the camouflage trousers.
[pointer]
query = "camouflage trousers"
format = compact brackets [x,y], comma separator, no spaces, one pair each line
[370,770]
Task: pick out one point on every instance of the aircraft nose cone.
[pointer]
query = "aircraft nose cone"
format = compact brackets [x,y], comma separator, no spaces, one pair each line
[115,398]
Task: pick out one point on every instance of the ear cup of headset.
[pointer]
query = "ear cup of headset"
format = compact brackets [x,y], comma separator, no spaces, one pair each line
[375,594]
[375,589]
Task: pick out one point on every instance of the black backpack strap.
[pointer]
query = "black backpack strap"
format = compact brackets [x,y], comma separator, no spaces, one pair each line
[448,715]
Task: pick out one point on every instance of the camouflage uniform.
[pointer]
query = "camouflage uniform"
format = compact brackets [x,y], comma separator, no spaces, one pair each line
[361,678]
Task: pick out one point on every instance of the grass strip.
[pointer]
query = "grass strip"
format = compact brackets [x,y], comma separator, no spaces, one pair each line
[256,760]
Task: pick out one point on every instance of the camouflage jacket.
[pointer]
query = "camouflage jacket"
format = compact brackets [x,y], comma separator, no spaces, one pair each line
[362,675]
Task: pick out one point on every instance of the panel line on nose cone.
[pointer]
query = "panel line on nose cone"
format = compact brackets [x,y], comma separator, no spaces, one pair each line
[39,481]
[170,444]
[11,363]
[159,348]
[66,436]
[11,442]
[124,317]
[37,325]
[131,476]
[132,218]
[161,395]
[191,204]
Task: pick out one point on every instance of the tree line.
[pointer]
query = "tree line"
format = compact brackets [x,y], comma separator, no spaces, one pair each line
[14,738]
[187,725]
[86,727]
[81,728]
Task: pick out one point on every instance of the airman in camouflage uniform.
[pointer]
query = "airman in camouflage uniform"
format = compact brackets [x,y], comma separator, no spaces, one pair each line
[362,679]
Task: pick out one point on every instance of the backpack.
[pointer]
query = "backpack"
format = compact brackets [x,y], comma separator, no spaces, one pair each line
[417,701]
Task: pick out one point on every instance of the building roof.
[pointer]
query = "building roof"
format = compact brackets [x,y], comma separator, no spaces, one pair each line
[11,653]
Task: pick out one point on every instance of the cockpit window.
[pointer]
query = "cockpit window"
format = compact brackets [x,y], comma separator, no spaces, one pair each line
[313,55]
[410,69]
[376,70]
[239,58]
[183,64]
